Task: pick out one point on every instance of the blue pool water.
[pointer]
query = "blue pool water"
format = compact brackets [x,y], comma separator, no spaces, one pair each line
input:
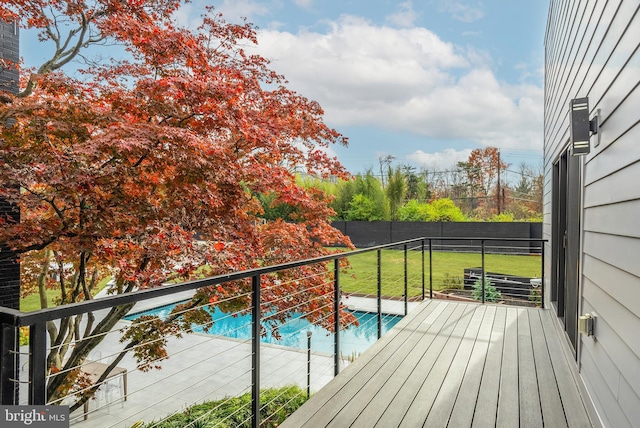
[354,340]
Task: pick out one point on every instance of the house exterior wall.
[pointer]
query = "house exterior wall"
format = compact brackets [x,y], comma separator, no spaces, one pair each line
[9,268]
[592,49]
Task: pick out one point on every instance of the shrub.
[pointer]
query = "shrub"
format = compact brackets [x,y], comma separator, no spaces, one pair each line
[535,296]
[502,218]
[491,293]
[416,211]
[450,282]
[446,210]
[277,405]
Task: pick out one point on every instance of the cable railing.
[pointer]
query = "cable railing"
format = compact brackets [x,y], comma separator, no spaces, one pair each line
[256,355]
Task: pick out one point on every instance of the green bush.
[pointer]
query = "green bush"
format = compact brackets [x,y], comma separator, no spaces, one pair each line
[416,211]
[446,210]
[235,412]
[502,218]
[451,282]
[439,210]
[364,208]
[491,293]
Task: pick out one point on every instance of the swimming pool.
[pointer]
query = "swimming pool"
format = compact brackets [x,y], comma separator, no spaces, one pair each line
[354,340]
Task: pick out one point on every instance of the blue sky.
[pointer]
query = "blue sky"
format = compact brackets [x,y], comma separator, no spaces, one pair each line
[424,81]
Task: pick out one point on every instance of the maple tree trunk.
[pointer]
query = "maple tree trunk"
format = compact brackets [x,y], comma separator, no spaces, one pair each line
[55,387]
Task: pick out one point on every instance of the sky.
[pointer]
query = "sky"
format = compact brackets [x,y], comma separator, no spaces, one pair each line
[422,81]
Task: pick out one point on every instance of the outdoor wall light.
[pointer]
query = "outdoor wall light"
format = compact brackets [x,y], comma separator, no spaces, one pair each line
[581,127]
[586,324]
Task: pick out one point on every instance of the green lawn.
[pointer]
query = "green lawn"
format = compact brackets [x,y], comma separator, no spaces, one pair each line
[448,270]
[361,277]
[31,302]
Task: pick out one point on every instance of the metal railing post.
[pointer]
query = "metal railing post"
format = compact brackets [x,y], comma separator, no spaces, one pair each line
[379,294]
[336,317]
[255,357]
[9,364]
[38,364]
[309,333]
[406,283]
[422,255]
[542,282]
[483,274]
[430,270]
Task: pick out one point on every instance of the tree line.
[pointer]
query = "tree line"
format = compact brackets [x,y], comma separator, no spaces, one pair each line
[475,190]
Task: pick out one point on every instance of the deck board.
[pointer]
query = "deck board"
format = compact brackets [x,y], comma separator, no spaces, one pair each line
[508,409]
[574,409]
[487,400]
[431,384]
[465,403]
[329,400]
[446,398]
[403,399]
[451,364]
[528,388]
[550,401]
[388,377]
[372,410]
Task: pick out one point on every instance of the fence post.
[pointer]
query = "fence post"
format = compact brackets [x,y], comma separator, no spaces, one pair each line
[379,293]
[406,281]
[255,357]
[38,364]
[9,364]
[336,317]
[483,274]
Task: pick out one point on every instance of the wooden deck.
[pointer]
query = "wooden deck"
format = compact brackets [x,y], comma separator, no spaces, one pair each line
[451,364]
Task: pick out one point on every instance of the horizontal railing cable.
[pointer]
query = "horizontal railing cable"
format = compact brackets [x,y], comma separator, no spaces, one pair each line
[314,288]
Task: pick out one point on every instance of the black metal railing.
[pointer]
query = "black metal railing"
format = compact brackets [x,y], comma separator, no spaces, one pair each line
[19,386]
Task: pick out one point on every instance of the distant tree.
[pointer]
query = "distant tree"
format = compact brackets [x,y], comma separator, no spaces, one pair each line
[369,185]
[395,190]
[385,164]
[344,192]
[537,192]
[525,199]
[416,184]
[363,208]
[484,165]
[481,171]
[524,185]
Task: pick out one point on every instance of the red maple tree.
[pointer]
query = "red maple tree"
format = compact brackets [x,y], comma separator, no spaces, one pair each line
[148,169]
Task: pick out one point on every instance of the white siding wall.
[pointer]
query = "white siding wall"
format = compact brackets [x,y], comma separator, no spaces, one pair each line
[593,49]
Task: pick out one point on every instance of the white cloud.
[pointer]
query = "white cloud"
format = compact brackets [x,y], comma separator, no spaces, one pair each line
[405,16]
[305,4]
[407,80]
[244,8]
[439,160]
[460,11]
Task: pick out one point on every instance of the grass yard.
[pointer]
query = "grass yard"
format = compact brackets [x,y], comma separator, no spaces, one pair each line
[448,270]
[31,302]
